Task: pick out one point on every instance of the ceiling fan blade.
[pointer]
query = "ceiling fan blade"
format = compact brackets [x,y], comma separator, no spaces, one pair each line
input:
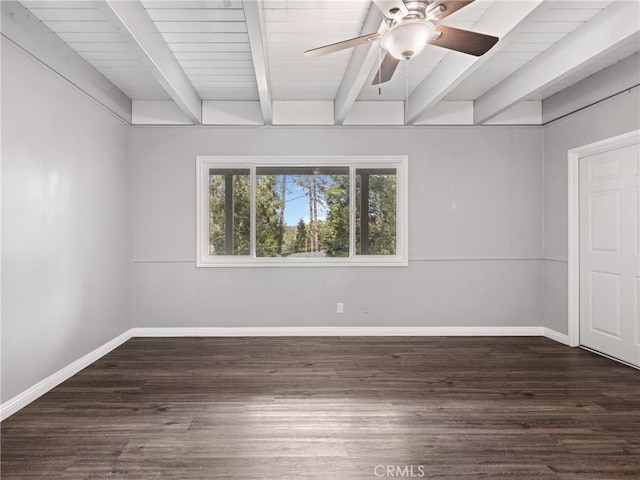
[387,69]
[463,41]
[443,8]
[386,6]
[336,47]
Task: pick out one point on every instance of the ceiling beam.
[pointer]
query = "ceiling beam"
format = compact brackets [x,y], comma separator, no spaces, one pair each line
[360,66]
[614,26]
[28,33]
[253,14]
[134,24]
[503,19]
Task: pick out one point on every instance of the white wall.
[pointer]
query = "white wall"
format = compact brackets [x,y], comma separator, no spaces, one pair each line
[617,115]
[475,240]
[65,223]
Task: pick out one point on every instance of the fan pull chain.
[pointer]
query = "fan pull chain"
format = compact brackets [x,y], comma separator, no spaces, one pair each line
[406,86]
[379,68]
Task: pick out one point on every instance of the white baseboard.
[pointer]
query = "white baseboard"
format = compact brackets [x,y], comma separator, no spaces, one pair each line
[557,336]
[336,331]
[23,399]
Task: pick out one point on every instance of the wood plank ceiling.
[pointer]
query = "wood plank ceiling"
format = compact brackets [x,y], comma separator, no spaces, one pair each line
[251,52]
[211,44]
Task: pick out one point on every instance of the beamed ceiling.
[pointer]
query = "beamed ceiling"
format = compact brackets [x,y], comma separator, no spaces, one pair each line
[243,62]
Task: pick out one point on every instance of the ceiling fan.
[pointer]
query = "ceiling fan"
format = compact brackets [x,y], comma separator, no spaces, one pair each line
[412,24]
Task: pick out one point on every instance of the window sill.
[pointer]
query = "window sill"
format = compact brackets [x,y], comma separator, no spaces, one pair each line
[284,262]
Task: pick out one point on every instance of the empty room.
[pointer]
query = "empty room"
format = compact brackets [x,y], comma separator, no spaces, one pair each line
[320,239]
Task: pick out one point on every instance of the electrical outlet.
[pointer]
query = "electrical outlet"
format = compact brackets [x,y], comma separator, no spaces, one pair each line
[366,308]
[340,307]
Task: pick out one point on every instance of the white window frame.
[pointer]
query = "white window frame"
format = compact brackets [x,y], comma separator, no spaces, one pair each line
[206,162]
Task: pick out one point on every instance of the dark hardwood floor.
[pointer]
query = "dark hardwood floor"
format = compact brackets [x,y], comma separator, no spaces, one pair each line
[334,408]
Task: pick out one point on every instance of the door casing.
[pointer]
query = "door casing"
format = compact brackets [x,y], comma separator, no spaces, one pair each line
[574,156]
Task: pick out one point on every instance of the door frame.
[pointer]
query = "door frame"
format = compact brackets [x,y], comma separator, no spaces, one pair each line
[574,156]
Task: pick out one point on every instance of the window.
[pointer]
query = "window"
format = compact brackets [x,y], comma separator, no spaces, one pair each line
[376,217]
[229,212]
[301,211]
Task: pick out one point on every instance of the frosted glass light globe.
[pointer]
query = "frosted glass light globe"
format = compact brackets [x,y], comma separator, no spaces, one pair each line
[407,39]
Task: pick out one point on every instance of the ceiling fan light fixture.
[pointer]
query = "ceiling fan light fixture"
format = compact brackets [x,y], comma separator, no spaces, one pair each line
[407,39]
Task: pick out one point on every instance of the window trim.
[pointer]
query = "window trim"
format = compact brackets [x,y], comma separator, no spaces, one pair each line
[205,162]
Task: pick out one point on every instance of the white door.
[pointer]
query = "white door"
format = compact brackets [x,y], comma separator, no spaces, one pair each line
[610,253]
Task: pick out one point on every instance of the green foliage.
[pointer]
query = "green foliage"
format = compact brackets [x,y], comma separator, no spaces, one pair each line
[334,231]
[288,240]
[381,203]
[313,186]
[268,205]
[382,214]
[217,217]
[301,240]
[241,215]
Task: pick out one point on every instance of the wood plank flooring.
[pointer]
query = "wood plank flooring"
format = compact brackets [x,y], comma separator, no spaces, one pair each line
[334,408]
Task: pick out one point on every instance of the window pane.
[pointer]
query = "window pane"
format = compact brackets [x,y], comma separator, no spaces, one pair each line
[375,211]
[302,211]
[229,217]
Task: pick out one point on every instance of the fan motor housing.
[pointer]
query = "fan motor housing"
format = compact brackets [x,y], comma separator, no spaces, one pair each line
[418,10]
